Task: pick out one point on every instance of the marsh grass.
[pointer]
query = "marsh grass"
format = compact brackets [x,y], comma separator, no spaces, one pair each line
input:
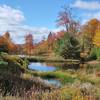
[18,83]
[75,92]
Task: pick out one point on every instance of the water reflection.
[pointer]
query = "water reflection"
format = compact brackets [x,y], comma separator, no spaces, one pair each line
[53,82]
[41,67]
[52,66]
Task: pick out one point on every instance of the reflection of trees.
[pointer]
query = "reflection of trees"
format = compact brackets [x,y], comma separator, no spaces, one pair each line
[64,66]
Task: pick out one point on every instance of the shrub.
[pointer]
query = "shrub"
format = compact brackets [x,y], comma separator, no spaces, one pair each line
[95,53]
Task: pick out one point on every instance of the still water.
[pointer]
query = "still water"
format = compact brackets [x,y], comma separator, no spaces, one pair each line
[45,67]
[53,82]
[37,66]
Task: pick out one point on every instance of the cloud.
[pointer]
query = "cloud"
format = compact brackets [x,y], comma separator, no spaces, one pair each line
[93,5]
[11,15]
[90,15]
[12,20]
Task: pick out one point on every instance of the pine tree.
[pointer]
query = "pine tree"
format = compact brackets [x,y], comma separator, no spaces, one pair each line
[68,47]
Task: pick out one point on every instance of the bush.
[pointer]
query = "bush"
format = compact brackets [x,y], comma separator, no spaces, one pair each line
[95,53]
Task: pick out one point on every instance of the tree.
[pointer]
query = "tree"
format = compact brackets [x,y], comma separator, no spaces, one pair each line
[68,47]
[4,48]
[29,44]
[89,30]
[6,41]
[51,39]
[96,39]
[7,35]
[65,19]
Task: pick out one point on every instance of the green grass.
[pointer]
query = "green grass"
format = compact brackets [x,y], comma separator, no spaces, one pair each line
[60,75]
[3,62]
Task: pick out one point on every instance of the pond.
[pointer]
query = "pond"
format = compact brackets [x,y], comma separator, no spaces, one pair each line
[53,82]
[53,66]
[37,66]
[70,68]
[44,67]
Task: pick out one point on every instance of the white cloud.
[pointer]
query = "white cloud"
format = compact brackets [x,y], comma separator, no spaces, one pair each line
[90,5]
[90,15]
[57,29]
[12,19]
[11,15]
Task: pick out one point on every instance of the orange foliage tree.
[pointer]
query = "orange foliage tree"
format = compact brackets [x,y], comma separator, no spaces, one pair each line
[89,30]
[29,43]
[50,40]
[6,40]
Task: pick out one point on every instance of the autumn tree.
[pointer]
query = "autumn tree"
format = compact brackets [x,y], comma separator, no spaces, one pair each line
[66,20]
[5,41]
[95,51]
[96,39]
[68,45]
[51,39]
[29,43]
[4,48]
[89,31]
[7,35]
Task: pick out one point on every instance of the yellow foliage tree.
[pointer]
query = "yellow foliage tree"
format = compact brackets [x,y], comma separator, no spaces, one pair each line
[96,39]
[91,33]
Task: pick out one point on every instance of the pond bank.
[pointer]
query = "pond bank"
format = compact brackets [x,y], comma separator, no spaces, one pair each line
[15,79]
[47,59]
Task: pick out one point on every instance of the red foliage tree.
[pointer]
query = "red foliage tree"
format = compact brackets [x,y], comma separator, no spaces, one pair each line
[65,19]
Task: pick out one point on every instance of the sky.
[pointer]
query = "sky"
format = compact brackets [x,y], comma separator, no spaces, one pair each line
[38,17]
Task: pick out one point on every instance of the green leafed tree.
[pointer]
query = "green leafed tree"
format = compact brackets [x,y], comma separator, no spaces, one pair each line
[68,47]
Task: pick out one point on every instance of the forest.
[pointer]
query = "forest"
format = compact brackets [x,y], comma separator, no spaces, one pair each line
[63,66]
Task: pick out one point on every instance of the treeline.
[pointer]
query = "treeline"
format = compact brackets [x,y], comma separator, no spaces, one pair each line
[8,46]
[73,42]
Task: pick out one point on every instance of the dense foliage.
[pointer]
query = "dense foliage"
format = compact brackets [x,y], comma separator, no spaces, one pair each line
[95,53]
[4,48]
[68,47]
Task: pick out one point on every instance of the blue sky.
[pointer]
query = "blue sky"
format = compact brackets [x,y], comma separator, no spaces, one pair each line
[38,16]
[38,13]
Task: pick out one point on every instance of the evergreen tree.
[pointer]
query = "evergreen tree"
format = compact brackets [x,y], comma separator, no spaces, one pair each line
[68,47]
